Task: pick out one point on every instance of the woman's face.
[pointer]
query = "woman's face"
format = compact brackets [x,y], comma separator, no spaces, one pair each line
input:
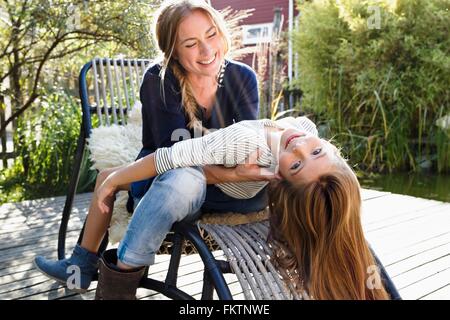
[199,47]
[304,157]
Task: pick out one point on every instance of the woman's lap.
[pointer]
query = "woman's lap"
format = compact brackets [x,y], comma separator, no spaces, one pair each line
[217,201]
[180,194]
[173,196]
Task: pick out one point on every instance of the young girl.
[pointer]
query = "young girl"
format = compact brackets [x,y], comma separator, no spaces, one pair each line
[315,208]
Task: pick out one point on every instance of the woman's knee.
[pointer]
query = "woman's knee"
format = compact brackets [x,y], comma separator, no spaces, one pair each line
[184,180]
[184,187]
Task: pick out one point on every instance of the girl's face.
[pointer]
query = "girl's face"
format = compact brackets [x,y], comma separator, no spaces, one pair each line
[199,47]
[304,157]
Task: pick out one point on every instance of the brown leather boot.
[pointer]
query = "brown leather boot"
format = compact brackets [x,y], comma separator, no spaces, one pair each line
[114,284]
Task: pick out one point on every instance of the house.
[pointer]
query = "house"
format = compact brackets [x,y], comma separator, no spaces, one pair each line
[258,27]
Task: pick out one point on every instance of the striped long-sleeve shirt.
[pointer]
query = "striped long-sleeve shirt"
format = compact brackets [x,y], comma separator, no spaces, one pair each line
[229,147]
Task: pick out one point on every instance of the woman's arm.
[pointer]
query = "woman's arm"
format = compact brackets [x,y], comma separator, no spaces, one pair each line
[218,174]
[241,173]
[161,116]
[248,171]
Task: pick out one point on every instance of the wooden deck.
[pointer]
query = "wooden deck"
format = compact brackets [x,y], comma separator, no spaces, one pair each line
[410,235]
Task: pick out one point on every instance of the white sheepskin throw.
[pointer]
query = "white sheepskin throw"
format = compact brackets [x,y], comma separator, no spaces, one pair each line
[111,147]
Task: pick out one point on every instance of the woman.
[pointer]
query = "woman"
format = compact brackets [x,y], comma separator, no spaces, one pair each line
[315,211]
[193,84]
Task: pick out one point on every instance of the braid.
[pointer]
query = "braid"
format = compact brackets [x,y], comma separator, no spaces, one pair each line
[187,97]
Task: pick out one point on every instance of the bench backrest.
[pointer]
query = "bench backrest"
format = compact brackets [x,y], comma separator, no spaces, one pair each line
[109,88]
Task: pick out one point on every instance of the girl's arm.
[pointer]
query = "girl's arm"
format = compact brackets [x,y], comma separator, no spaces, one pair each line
[141,169]
[186,153]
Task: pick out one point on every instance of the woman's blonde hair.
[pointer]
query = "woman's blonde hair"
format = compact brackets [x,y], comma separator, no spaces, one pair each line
[317,236]
[168,19]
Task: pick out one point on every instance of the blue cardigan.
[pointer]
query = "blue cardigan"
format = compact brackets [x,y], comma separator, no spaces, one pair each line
[236,99]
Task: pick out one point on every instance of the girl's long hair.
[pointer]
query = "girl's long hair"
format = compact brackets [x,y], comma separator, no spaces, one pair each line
[318,240]
[169,17]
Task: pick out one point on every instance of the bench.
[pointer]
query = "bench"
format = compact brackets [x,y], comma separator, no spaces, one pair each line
[109,91]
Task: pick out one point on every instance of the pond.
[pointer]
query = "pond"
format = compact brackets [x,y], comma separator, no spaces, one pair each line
[428,186]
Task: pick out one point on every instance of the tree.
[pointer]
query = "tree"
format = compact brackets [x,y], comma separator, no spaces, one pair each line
[34,33]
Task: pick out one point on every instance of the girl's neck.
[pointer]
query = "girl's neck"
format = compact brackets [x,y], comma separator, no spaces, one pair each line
[273,137]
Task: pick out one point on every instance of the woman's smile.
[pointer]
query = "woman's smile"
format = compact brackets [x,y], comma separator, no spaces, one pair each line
[208,62]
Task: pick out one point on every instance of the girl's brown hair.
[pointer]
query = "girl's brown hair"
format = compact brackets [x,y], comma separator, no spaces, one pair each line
[168,19]
[317,237]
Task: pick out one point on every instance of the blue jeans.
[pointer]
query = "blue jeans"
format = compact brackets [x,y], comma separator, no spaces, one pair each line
[174,196]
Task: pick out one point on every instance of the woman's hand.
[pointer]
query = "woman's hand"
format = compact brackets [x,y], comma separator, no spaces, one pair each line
[250,171]
[106,190]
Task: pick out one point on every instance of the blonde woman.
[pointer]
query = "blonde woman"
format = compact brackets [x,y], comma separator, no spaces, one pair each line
[193,83]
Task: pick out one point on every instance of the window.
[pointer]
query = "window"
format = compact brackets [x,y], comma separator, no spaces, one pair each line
[256,33]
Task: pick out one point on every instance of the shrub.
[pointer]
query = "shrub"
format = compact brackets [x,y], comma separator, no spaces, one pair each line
[378,88]
[45,142]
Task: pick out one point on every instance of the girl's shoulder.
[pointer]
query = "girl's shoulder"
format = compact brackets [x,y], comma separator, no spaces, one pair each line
[301,122]
[253,125]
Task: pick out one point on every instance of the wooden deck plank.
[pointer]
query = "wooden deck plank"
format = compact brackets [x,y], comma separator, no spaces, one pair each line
[442,293]
[143,294]
[46,288]
[410,235]
[30,249]
[412,262]
[23,278]
[190,276]
[391,246]
[45,205]
[44,241]
[423,272]
[393,206]
[9,263]
[424,287]
[22,236]
[412,249]
[406,217]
